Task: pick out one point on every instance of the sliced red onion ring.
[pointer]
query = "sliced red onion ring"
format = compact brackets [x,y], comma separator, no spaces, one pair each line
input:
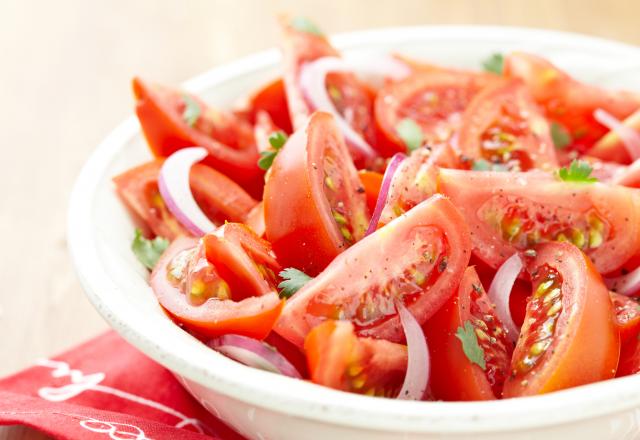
[254,353]
[174,187]
[313,84]
[627,285]
[630,138]
[500,292]
[418,363]
[393,166]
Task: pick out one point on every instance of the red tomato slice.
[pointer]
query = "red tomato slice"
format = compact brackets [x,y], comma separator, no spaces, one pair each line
[571,103]
[351,97]
[435,100]
[314,204]
[416,179]
[418,258]
[453,376]
[568,337]
[210,307]
[371,181]
[227,138]
[507,212]
[627,312]
[219,197]
[503,125]
[272,100]
[629,359]
[338,359]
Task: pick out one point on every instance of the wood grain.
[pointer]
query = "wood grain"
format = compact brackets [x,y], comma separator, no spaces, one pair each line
[66,67]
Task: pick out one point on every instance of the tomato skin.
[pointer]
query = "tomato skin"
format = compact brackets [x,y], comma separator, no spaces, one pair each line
[271,99]
[629,359]
[253,316]
[371,181]
[342,289]
[556,202]
[219,197]
[227,139]
[585,344]
[504,103]
[572,103]
[298,217]
[402,99]
[335,353]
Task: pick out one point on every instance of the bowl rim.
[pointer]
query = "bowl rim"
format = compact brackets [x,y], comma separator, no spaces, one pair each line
[303,399]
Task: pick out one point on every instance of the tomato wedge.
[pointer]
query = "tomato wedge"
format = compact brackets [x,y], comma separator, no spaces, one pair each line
[507,212]
[503,126]
[627,312]
[314,204]
[453,375]
[569,336]
[434,100]
[351,97]
[571,103]
[219,197]
[629,359]
[418,258]
[338,359]
[172,119]
[193,291]
[271,99]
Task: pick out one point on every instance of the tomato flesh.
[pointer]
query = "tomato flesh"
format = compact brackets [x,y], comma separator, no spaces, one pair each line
[417,258]
[514,211]
[337,358]
[627,312]
[453,376]
[568,337]
[314,204]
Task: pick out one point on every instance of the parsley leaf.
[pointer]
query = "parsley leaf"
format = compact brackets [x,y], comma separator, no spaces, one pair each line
[294,279]
[303,24]
[410,133]
[579,171]
[191,111]
[148,251]
[277,139]
[560,135]
[495,63]
[470,346]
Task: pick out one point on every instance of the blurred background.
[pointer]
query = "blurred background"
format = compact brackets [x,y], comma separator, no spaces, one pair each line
[64,84]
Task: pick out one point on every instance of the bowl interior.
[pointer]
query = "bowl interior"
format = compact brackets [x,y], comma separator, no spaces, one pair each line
[100,233]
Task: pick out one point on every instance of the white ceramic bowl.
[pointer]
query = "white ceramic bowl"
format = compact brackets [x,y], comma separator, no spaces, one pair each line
[262,405]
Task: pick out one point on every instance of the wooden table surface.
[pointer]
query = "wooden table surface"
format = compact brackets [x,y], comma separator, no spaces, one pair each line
[65,74]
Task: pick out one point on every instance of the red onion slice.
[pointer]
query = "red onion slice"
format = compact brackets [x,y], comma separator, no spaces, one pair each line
[393,166]
[627,285]
[174,187]
[500,292]
[313,84]
[630,138]
[418,363]
[254,353]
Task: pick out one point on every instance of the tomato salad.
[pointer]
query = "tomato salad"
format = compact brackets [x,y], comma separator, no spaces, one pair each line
[396,228]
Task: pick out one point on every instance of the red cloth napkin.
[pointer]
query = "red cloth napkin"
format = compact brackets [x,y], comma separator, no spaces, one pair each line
[105,389]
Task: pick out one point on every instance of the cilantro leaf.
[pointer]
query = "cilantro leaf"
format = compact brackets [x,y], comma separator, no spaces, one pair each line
[294,279]
[148,251]
[266,159]
[303,24]
[470,345]
[277,139]
[495,63]
[410,133]
[561,137]
[579,171]
[191,111]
